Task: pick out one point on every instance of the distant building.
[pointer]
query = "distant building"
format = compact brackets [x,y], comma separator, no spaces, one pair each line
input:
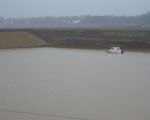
[76,21]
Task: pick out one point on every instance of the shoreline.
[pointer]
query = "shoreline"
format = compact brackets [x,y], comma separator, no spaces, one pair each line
[67,48]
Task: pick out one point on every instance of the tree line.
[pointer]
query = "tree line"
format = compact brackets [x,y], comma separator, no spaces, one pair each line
[86,20]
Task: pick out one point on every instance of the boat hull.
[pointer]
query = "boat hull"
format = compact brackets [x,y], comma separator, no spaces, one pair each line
[115,50]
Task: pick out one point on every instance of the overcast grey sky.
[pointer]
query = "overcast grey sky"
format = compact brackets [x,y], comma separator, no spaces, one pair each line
[35,8]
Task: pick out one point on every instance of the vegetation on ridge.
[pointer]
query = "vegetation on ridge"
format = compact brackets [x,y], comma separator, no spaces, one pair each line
[141,21]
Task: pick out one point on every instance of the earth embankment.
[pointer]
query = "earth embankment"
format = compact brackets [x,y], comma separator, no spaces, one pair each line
[76,38]
[19,39]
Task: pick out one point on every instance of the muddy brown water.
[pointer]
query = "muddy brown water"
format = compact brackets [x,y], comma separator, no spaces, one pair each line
[66,84]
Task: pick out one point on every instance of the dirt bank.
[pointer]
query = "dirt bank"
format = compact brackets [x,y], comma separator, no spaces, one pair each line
[19,39]
[80,38]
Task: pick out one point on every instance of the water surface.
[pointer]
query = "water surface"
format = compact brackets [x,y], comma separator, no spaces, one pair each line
[66,84]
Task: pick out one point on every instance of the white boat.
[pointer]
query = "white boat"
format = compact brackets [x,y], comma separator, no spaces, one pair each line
[115,50]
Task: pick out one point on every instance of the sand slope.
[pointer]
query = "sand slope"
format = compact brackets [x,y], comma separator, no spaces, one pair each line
[17,39]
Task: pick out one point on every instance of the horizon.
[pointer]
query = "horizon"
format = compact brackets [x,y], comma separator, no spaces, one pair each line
[76,16]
